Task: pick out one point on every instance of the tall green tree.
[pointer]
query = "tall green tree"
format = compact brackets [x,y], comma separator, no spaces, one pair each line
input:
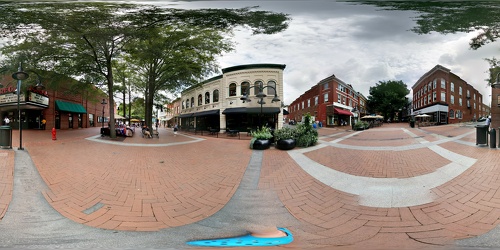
[388,97]
[82,39]
[447,17]
[169,59]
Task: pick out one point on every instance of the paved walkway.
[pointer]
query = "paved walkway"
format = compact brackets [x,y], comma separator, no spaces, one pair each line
[387,187]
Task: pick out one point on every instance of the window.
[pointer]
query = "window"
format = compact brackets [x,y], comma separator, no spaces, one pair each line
[302,104]
[216,95]
[452,87]
[468,93]
[452,114]
[232,89]
[459,102]
[460,90]
[308,103]
[425,100]
[452,99]
[434,96]
[244,87]
[207,98]
[429,86]
[257,87]
[459,114]
[338,98]
[425,88]
[325,97]
[443,84]
[271,89]
[182,104]
[200,100]
[187,103]
[316,99]
[443,97]
[474,96]
[434,85]
[192,102]
[325,86]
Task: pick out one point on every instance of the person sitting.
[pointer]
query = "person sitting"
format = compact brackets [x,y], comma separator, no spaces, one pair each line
[146,132]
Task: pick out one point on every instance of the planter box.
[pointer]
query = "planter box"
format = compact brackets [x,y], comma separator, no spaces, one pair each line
[261,144]
[286,144]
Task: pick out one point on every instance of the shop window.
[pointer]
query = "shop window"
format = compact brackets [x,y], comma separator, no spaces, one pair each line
[207,98]
[256,87]
[216,95]
[244,88]
[232,89]
[271,90]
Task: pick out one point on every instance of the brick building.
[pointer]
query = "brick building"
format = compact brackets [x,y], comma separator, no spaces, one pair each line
[331,102]
[62,104]
[447,98]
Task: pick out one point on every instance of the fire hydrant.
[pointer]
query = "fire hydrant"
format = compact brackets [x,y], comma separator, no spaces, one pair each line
[53,133]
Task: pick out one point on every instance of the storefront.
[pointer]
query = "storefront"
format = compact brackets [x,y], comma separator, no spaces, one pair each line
[59,107]
[31,104]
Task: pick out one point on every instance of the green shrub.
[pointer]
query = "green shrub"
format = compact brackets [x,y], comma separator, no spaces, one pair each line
[285,133]
[361,124]
[306,134]
[262,133]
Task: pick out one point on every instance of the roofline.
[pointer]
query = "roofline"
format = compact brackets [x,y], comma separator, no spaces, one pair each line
[253,66]
[430,72]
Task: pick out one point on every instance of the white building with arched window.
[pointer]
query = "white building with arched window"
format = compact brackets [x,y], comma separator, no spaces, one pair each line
[217,102]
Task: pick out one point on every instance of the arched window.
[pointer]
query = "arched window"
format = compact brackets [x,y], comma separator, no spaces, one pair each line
[192,102]
[244,87]
[187,103]
[216,95]
[232,89]
[182,104]
[271,91]
[452,114]
[256,88]
[207,98]
[200,100]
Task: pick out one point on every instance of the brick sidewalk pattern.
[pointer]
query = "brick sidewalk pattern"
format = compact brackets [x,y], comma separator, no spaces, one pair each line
[181,179]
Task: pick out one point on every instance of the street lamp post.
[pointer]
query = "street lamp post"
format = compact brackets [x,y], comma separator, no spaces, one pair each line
[261,97]
[103,105]
[20,75]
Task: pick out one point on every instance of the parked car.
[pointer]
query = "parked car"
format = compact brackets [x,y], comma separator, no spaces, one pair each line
[481,119]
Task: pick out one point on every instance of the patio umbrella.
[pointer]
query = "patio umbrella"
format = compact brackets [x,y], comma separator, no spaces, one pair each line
[134,120]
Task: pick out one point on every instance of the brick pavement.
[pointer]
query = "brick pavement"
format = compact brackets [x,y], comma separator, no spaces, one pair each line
[150,188]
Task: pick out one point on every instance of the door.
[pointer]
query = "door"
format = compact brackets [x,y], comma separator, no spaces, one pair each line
[70,120]
[58,120]
[80,124]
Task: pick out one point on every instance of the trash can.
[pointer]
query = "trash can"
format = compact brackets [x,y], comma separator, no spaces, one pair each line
[5,137]
[482,134]
[412,124]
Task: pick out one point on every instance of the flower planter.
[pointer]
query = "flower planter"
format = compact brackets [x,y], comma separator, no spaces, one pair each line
[286,144]
[261,144]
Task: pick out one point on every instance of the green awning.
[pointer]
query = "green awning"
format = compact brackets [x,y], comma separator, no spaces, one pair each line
[70,107]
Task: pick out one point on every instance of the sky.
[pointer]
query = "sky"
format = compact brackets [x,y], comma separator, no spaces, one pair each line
[359,44]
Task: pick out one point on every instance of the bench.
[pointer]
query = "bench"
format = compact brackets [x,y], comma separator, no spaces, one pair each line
[214,131]
[233,132]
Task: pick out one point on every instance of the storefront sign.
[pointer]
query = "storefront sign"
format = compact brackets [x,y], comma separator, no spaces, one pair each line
[7,90]
[11,97]
[34,97]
